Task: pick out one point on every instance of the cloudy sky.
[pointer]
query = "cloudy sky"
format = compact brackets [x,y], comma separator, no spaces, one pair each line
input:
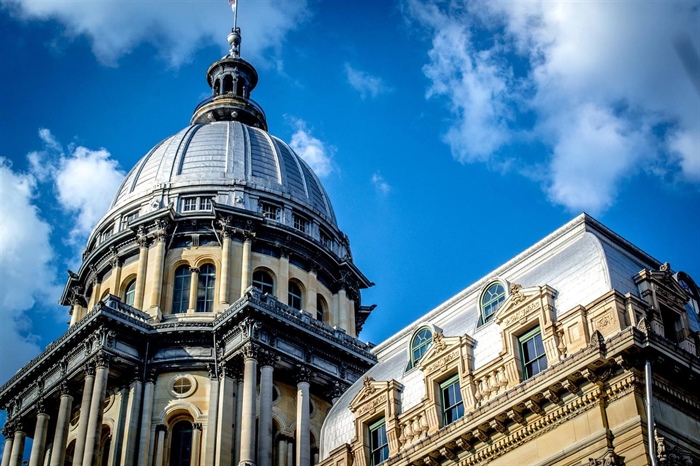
[449,135]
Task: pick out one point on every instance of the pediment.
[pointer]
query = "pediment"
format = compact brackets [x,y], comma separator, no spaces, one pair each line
[522,302]
[373,392]
[444,351]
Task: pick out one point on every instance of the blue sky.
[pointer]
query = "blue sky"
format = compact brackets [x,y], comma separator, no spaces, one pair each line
[450,136]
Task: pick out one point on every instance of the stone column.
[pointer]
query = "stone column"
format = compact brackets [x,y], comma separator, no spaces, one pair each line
[239,412]
[246,272]
[267,362]
[224,430]
[116,264]
[160,445]
[335,312]
[225,269]
[115,450]
[17,445]
[95,296]
[282,452]
[9,435]
[58,449]
[303,453]
[210,439]
[39,442]
[157,276]
[196,443]
[250,365]
[132,420]
[76,312]
[146,414]
[311,291]
[84,418]
[194,284]
[290,453]
[282,285]
[343,321]
[94,430]
[142,240]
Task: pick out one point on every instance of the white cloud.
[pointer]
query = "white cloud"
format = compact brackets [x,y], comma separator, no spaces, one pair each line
[314,151]
[85,181]
[380,184]
[364,83]
[175,29]
[601,84]
[27,273]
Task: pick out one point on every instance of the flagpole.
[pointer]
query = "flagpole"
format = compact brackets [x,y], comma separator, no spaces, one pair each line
[235,14]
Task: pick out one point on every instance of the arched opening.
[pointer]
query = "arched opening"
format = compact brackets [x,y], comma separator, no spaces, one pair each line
[321,308]
[130,292]
[263,282]
[228,84]
[294,297]
[181,289]
[181,444]
[240,87]
[217,87]
[205,288]
[105,446]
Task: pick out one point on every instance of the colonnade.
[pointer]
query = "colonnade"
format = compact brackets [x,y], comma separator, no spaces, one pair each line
[230,437]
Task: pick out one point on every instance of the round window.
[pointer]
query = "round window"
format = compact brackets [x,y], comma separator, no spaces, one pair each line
[183,386]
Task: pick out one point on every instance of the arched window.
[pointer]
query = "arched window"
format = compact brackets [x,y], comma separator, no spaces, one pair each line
[181,444]
[420,343]
[217,87]
[321,308]
[263,282]
[294,296]
[205,288]
[228,84]
[181,290]
[130,292]
[491,300]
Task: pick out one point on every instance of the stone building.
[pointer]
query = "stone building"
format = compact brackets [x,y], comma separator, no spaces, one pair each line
[581,350]
[215,313]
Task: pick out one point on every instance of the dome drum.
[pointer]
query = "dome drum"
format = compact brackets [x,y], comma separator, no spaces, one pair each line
[227,107]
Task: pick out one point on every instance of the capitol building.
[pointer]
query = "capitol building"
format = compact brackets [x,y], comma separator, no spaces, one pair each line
[214,320]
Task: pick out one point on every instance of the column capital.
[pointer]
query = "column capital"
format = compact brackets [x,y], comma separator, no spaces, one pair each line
[211,369]
[9,430]
[64,388]
[250,351]
[151,376]
[194,269]
[40,406]
[161,428]
[197,426]
[267,358]
[303,374]
[102,360]
[89,368]
[18,426]
[142,237]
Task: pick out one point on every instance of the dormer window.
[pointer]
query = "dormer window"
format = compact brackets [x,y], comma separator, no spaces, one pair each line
[490,301]
[196,203]
[128,219]
[270,211]
[300,223]
[420,343]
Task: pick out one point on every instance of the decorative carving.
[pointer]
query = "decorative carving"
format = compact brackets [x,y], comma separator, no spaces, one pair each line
[463,443]
[142,237]
[369,388]
[604,321]
[102,360]
[267,358]
[89,368]
[303,374]
[441,363]
[609,459]
[430,461]
[151,376]
[478,433]
[570,385]
[447,453]
[497,425]
[551,396]
[211,369]
[597,340]
[372,406]
[250,351]
[249,327]
[534,407]
[197,426]
[515,416]
[439,341]
[516,295]
[64,388]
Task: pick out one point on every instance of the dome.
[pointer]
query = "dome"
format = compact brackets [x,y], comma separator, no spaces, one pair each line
[224,158]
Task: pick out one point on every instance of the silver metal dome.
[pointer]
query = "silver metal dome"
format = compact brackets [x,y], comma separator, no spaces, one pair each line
[222,156]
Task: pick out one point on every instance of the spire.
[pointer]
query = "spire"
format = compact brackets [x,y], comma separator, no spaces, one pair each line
[231,79]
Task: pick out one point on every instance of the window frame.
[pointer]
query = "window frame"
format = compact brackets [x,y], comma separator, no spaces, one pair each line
[493,304]
[295,300]
[196,203]
[452,382]
[422,347]
[130,292]
[382,450]
[525,363]
[300,223]
[183,276]
[270,211]
[264,285]
[206,288]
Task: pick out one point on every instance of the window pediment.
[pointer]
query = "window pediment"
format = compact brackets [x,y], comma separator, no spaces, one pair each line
[375,396]
[446,352]
[523,303]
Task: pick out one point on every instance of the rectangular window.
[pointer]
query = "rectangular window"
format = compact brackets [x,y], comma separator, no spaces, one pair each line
[532,355]
[452,406]
[189,204]
[300,223]
[129,219]
[205,204]
[270,211]
[378,443]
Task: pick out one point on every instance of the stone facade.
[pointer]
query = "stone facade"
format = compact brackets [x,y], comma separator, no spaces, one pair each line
[585,403]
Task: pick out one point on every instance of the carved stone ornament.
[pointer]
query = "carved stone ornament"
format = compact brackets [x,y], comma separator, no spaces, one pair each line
[303,374]
[250,351]
[369,388]
[439,341]
[516,295]
[267,358]
[609,459]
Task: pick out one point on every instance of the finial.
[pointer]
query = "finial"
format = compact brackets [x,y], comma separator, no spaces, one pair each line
[234,37]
